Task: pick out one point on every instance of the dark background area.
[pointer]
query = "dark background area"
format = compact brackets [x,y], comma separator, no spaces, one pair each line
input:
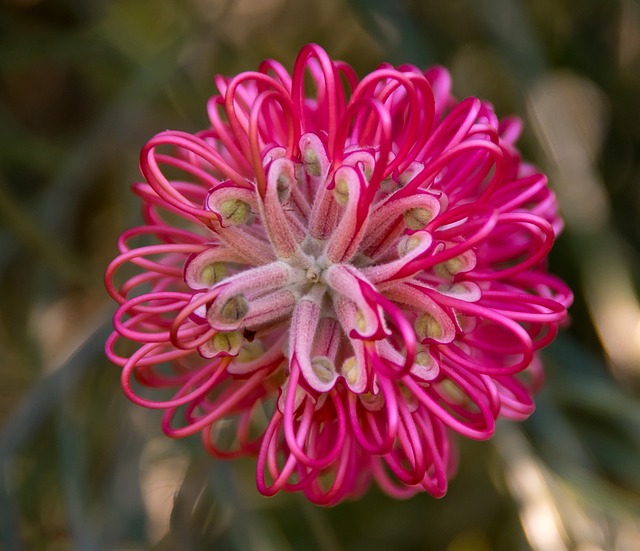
[83,84]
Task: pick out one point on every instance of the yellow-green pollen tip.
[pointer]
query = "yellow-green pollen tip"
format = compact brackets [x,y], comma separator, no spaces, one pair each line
[227,341]
[283,187]
[423,358]
[341,191]
[350,370]
[360,322]
[417,218]
[235,210]
[250,351]
[323,368]
[427,326]
[408,244]
[235,308]
[311,162]
[450,267]
[213,273]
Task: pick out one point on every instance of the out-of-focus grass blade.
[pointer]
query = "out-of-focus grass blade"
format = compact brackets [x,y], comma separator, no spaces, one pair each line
[37,404]
[520,49]
[248,528]
[28,233]
[578,380]
[72,452]
[403,41]
[56,205]
[9,520]
[581,400]
[211,510]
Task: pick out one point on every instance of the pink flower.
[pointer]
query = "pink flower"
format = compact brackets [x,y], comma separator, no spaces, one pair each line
[342,273]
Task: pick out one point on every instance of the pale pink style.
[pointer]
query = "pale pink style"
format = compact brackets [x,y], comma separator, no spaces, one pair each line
[341,274]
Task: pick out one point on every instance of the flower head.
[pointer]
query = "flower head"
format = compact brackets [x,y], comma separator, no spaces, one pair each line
[342,272]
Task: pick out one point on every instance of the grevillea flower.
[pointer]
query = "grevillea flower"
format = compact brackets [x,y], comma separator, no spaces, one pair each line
[337,275]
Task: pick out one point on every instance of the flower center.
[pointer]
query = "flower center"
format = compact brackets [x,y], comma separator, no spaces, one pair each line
[301,254]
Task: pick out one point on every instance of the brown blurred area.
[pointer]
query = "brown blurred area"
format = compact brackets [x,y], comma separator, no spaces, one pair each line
[83,85]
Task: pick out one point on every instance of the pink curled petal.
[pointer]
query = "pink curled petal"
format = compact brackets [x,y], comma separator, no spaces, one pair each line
[467,291]
[151,171]
[523,307]
[389,212]
[359,118]
[399,321]
[419,244]
[408,97]
[437,446]
[516,402]
[265,461]
[346,474]
[137,257]
[272,210]
[479,426]
[145,309]
[329,94]
[304,323]
[426,371]
[510,129]
[268,359]
[183,396]
[406,459]
[224,405]
[375,430]
[348,234]
[419,297]
[296,441]
[203,270]
[397,491]
[346,281]
[455,125]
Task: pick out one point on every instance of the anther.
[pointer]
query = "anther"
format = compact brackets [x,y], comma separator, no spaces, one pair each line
[417,218]
[227,341]
[323,368]
[311,162]
[360,322]
[408,244]
[250,351]
[341,191]
[427,326]
[235,211]
[450,267]
[234,309]
[213,273]
[283,187]
[423,358]
[350,370]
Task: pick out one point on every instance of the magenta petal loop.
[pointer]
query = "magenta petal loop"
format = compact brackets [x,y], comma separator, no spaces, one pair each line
[345,272]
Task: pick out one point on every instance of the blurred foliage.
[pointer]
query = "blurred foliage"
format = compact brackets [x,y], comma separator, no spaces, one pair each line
[84,84]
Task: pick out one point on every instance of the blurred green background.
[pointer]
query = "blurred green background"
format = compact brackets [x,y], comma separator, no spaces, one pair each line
[84,83]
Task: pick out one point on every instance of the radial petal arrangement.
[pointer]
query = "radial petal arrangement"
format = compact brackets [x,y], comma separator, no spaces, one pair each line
[337,275]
